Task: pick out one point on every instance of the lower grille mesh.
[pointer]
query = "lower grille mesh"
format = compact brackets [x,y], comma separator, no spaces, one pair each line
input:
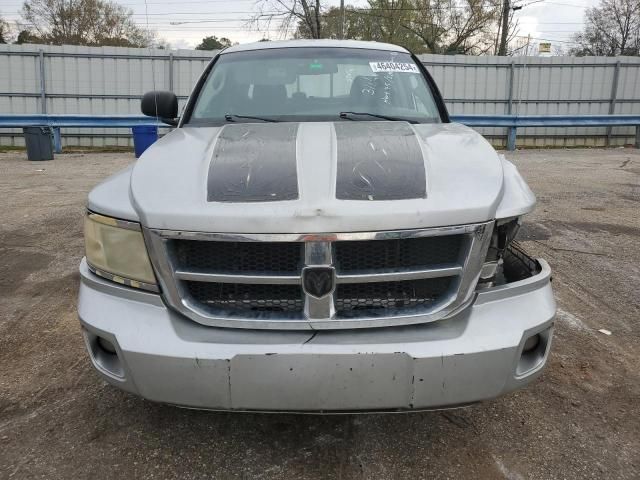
[256,298]
[352,298]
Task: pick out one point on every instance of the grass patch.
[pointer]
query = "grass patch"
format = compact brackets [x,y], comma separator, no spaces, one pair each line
[72,149]
[11,148]
[106,149]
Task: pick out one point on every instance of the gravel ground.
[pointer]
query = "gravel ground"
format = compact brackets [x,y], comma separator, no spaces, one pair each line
[580,420]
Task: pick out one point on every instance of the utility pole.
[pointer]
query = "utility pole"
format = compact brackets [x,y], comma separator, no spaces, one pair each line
[341,19]
[504,33]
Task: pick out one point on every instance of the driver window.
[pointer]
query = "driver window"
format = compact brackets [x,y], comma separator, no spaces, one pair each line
[422,104]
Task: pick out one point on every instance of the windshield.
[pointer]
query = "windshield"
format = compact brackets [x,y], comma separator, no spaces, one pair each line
[314,84]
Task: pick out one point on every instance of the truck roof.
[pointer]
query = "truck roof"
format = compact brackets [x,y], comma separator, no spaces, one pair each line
[324,43]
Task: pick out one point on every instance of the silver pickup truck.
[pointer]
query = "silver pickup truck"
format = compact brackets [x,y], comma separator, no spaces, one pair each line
[314,236]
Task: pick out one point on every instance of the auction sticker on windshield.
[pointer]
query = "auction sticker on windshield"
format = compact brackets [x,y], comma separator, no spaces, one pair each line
[394,67]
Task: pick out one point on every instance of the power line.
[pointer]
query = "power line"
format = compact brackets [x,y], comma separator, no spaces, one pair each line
[244,19]
[584,7]
[176,28]
[169,13]
[198,13]
[228,23]
[357,11]
[351,10]
[546,39]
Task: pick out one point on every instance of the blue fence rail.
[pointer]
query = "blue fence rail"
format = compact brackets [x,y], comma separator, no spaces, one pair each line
[56,122]
[511,122]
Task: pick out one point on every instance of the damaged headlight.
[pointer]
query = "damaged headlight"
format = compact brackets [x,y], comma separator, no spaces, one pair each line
[504,233]
[115,249]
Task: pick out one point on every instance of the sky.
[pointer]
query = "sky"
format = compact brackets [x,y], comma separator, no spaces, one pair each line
[183,23]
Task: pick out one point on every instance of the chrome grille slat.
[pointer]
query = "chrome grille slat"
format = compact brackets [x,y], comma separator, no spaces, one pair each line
[363,277]
[198,276]
[440,271]
[397,292]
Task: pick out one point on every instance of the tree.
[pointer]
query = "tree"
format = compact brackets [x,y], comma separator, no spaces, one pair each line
[357,25]
[391,23]
[435,26]
[162,44]
[612,28]
[305,15]
[25,36]
[214,43]
[469,27]
[84,22]
[4,31]
[454,26]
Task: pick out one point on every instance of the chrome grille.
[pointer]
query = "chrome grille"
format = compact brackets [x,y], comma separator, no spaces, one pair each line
[381,278]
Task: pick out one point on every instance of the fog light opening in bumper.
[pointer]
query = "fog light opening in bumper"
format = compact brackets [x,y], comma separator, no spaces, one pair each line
[531,343]
[107,346]
[533,352]
[104,354]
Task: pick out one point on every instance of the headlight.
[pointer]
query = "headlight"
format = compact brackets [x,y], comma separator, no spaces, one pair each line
[115,250]
[504,232]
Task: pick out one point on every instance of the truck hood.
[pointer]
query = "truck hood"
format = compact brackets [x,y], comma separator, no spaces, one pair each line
[319,178]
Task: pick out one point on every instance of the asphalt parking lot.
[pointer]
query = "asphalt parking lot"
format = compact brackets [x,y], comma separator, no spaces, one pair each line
[580,420]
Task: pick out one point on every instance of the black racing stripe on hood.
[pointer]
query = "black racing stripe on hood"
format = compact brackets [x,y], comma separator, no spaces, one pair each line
[379,161]
[254,162]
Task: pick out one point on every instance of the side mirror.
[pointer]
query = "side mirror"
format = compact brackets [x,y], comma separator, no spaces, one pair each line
[160,104]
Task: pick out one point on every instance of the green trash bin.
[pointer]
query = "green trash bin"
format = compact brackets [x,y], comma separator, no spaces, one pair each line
[39,142]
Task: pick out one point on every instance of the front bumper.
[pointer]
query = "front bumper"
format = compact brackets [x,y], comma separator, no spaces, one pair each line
[472,356]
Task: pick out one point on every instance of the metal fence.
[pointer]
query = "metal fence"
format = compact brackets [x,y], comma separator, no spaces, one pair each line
[542,86]
[110,81]
[90,81]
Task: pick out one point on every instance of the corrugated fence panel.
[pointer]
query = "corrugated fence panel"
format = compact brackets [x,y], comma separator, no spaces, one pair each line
[91,80]
[628,95]
[111,80]
[541,86]
[558,86]
[19,74]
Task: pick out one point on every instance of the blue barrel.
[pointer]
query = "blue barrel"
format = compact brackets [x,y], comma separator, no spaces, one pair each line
[143,138]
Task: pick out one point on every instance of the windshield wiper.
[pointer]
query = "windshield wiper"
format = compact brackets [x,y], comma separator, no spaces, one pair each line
[230,117]
[347,115]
